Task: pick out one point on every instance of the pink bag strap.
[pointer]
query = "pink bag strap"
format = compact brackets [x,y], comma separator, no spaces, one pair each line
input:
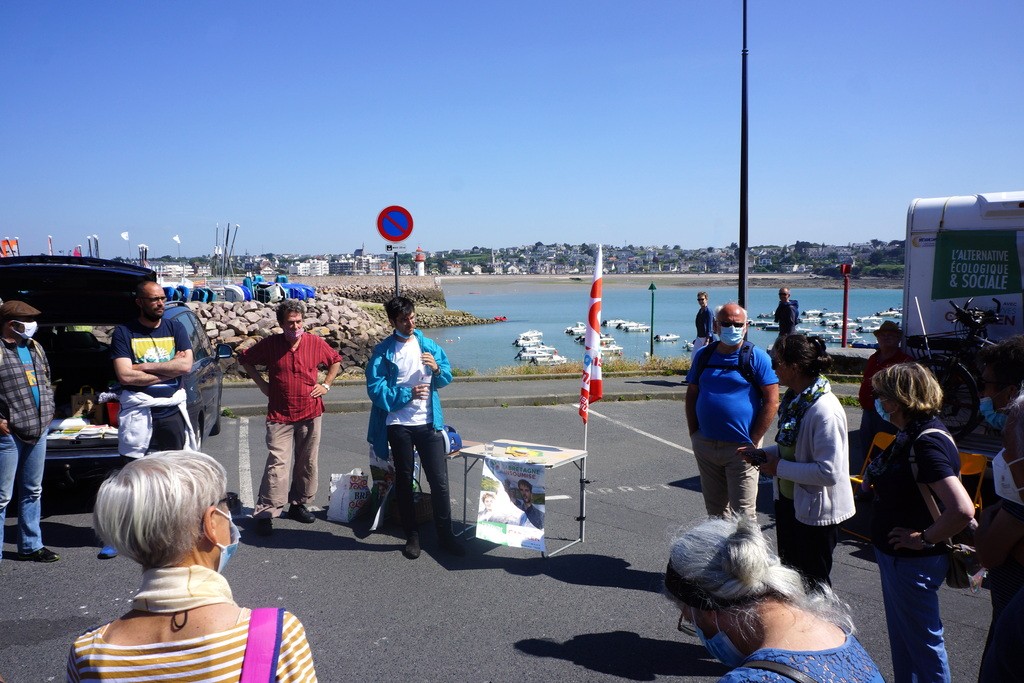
[263,646]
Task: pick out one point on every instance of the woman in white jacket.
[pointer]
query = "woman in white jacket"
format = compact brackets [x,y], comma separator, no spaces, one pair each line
[810,459]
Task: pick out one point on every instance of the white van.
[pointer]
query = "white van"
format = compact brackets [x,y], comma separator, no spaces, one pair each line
[960,248]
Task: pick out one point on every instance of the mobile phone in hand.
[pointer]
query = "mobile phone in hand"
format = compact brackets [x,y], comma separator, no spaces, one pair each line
[757,456]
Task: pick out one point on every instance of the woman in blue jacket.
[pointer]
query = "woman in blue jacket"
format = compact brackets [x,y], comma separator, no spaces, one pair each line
[402,379]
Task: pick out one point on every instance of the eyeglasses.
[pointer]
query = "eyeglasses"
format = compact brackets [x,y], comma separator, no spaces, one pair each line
[152,299]
[983,383]
[685,626]
[726,323]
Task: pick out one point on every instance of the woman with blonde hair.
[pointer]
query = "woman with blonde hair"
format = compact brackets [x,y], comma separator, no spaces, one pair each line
[919,504]
[168,512]
[754,614]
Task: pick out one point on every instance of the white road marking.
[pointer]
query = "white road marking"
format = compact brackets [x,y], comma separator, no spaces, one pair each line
[642,432]
[244,472]
[557,497]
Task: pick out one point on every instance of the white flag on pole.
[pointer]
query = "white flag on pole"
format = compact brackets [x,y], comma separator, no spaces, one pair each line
[124,236]
[176,239]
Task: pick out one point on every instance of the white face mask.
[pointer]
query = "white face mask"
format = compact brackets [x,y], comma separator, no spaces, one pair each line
[1006,487]
[29,329]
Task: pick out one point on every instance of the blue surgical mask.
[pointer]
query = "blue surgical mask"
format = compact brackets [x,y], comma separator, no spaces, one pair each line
[882,412]
[226,551]
[401,336]
[721,647]
[731,336]
[991,415]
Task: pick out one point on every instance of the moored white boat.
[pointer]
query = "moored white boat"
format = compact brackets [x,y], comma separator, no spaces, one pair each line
[667,337]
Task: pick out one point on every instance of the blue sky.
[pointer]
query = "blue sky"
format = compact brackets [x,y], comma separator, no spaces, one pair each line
[497,124]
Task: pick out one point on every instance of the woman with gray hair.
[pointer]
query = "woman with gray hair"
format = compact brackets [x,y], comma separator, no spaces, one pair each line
[168,512]
[754,614]
[919,504]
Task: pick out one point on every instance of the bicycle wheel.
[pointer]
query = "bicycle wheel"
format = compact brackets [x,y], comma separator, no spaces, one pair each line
[959,396]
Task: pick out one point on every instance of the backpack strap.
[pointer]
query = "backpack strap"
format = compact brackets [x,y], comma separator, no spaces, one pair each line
[745,365]
[926,492]
[263,645]
[781,669]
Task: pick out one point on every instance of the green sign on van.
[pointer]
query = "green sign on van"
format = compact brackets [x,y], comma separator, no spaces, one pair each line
[976,263]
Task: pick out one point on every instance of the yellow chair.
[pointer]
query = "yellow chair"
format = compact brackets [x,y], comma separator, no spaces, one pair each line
[974,465]
[881,441]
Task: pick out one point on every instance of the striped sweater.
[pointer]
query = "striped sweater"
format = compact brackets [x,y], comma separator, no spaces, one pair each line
[215,657]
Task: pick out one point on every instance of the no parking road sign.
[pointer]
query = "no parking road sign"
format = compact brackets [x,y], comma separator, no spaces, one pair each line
[394,224]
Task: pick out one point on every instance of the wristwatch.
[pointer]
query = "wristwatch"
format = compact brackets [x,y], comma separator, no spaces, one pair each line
[924,541]
[326,386]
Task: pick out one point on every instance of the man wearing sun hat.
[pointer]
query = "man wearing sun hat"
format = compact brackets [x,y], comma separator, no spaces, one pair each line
[26,409]
[888,335]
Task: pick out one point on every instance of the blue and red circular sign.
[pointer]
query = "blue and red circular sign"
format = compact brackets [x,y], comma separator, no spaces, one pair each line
[394,224]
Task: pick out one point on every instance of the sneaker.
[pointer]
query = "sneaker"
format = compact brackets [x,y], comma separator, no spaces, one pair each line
[300,514]
[41,555]
[451,546]
[412,547]
[108,552]
[264,526]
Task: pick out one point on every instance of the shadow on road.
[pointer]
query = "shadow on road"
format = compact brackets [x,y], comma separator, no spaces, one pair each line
[626,655]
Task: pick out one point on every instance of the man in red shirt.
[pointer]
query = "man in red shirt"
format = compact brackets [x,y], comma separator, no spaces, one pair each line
[888,353]
[293,361]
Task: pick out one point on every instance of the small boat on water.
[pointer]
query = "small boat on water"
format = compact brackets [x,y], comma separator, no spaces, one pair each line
[531,352]
[613,322]
[578,328]
[552,359]
[501,318]
[668,337]
[630,326]
[529,335]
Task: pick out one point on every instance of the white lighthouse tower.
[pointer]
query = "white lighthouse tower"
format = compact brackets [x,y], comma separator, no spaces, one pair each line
[420,259]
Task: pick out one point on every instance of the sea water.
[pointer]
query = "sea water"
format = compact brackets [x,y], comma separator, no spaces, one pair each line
[551,307]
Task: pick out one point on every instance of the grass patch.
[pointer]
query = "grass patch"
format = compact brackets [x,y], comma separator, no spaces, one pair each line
[849,400]
[654,366]
[227,412]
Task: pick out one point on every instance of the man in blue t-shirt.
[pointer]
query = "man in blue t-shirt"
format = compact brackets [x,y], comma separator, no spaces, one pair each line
[150,356]
[725,411]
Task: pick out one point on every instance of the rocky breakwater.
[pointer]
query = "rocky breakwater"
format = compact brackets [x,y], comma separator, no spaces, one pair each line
[424,291]
[351,327]
[341,322]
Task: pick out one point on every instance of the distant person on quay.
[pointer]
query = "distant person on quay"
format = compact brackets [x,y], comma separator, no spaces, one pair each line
[403,377]
[26,409]
[731,399]
[169,513]
[787,313]
[810,460]
[705,323]
[888,335]
[754,614]
[293,360]
[151,355]
[919,504]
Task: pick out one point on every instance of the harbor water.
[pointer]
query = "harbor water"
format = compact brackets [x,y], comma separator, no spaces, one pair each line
[550,307]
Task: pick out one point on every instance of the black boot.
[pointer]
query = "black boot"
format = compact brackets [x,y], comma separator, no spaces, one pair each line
[412,546]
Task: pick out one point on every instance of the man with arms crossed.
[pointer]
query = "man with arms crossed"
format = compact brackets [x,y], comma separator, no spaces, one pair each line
[294,412]
[725,411]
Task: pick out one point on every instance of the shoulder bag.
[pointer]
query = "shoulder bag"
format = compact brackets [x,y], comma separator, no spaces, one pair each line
[263,646]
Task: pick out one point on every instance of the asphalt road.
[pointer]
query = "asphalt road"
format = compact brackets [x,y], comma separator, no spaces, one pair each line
[592,613]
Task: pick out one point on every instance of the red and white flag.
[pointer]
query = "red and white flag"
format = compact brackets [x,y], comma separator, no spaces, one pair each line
[592,386]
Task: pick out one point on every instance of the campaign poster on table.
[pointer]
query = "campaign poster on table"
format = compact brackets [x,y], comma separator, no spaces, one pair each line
[511,508]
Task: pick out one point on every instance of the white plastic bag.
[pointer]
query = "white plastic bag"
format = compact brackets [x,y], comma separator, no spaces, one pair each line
[349,494]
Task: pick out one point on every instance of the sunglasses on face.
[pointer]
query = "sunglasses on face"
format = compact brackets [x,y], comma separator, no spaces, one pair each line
[726,323]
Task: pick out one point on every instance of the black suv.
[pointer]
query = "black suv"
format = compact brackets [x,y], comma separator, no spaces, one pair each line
[82,300]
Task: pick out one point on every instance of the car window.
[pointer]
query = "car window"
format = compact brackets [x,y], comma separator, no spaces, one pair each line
[201,347]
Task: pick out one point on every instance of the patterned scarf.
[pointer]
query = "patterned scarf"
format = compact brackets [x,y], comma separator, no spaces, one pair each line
[899,450]
[793,408]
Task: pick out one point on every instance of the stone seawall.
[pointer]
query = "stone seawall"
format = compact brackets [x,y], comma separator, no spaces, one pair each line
[378,289]
[351,325]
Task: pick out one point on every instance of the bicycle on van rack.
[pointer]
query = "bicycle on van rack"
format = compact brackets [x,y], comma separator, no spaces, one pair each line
[953,359]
